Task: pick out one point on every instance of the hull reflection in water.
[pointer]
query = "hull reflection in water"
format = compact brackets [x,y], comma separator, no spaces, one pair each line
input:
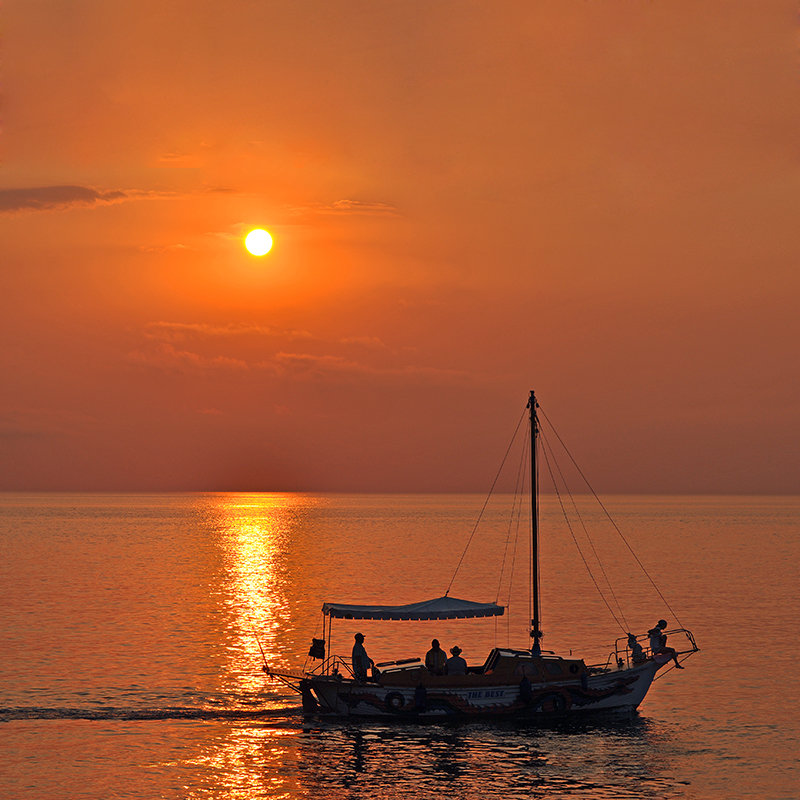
[625,761]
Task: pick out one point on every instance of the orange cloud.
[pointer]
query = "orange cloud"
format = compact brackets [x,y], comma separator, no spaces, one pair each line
[173,331]
[360,207]
[35,423]
[304,365]
[167,357]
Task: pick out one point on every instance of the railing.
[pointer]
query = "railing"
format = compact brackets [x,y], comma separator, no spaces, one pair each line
[333,665]
[623,654]
[336,665]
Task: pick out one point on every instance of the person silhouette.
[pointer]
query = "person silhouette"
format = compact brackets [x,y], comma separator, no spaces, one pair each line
[455,664]
[435,658]
[658,642]
[361,661]
[637,652]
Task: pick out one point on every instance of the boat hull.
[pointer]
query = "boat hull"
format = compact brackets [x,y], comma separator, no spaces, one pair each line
[617,690]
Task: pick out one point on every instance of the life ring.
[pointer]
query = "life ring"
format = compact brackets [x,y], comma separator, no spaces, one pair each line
[395,701]
[556,700]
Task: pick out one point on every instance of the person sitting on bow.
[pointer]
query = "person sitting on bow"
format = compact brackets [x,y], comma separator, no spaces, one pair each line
[658,642]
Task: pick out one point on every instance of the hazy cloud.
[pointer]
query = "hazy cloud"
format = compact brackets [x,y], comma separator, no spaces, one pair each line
[301,365]
[171,347]
[180,161]
[361,207]
[165,356]
[36,423]
[10,430]
[211,412]
[364,341]
[176,331]
[305,363]
[286,365]
[180,331]
[44,198]
[165,248]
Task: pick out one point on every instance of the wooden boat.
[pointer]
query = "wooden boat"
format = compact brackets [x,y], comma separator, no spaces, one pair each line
[524,683]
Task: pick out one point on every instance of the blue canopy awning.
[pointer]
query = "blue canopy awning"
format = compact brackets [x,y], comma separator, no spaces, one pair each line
[440,608]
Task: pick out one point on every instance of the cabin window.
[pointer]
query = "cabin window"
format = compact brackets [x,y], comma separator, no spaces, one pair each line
[552,667]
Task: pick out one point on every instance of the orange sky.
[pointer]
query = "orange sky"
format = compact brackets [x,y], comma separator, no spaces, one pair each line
[594,199]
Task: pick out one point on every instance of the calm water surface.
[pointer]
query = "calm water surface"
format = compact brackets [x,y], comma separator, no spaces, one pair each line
[130,668]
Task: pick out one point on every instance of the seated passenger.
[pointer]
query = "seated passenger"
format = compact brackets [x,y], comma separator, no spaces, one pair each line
[455,664]
[435,659]
[637,652]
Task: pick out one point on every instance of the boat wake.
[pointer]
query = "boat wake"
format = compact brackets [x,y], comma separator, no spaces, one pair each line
[162,713]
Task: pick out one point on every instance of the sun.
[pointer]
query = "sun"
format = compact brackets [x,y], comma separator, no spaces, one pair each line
[258,242]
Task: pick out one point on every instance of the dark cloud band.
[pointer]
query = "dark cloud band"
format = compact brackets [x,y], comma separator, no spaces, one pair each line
[43,198]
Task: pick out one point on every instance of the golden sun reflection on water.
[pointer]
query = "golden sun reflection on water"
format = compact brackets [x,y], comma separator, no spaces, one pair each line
[256,761]
[255,535]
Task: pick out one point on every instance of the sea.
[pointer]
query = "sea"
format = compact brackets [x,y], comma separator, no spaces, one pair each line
[134,629]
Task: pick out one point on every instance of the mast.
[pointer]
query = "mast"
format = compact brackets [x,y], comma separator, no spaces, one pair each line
[536,633]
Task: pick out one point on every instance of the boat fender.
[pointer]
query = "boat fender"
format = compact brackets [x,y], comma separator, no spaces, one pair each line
[310,704]
[395,701]
[556,701]
[420,699]
[317,649]
[525,691]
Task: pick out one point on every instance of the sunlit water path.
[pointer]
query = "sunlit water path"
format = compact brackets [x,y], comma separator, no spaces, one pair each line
[130,666]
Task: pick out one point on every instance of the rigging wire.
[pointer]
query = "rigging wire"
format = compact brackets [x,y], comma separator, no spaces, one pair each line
[485,503]
[520,500]
[515,512]
[611,520]
[585,531]
[515,516]
[575,539]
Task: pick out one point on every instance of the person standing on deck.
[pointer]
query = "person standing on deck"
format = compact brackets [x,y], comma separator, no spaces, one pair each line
[361,661]
[435,659]
[455,664]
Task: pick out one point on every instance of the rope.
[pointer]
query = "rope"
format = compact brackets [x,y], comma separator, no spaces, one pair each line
[611,520]
[485,503]
[575,540]
[514,515]
[586,533]
[516,540]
